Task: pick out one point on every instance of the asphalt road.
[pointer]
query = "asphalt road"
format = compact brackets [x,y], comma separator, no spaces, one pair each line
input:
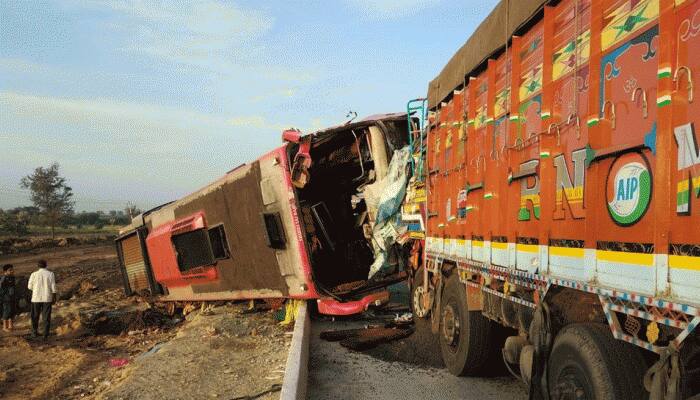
[338,373]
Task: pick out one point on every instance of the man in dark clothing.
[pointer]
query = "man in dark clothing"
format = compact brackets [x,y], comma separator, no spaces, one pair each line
[42,283]
[7,296]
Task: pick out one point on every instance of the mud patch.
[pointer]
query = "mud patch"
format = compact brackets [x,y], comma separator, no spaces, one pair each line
[117,322]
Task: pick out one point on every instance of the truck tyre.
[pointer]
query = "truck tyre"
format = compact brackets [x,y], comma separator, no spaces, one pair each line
[464,335]
[588,363]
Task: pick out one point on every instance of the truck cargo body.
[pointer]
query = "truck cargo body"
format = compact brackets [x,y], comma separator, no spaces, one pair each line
[562,180]
[288,225]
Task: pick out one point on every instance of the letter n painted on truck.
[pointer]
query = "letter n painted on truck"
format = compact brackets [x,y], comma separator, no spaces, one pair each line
[567,190]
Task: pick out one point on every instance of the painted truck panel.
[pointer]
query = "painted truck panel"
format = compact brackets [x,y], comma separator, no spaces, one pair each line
[569,178]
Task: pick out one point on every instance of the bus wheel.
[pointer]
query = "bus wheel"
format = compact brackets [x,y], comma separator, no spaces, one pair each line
[464,335]
[588,363]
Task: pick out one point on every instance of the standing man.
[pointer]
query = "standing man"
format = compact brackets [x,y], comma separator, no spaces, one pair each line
[7,296]
[42,283]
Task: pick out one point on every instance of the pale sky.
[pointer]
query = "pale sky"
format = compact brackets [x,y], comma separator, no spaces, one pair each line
[146,101]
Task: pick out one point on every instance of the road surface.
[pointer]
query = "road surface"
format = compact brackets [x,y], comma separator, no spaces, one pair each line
[338,373]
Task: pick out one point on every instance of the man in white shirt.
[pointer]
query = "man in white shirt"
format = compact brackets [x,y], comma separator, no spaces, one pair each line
[42,283]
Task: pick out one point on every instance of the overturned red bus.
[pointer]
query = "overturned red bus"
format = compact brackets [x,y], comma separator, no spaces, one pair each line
[294,223]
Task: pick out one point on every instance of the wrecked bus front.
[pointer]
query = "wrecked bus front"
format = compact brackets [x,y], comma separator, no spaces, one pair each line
[293,224]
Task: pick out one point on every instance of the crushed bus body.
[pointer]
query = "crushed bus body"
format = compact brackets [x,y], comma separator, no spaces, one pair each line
[561,163]
[299,222]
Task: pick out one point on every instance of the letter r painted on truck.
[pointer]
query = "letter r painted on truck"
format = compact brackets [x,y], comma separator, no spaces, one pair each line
[529,191]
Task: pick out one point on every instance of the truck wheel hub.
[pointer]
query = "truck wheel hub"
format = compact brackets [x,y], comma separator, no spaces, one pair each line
[422,302]
[450,325]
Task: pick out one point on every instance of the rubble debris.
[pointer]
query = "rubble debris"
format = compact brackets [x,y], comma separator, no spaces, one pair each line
[338,335]
[348,287]
[404,318]
[118,362]
[369,337]
[117,322]
[80,288]
[274,388]
[151,351]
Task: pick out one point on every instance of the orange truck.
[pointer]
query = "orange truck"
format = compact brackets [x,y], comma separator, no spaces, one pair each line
[561,167]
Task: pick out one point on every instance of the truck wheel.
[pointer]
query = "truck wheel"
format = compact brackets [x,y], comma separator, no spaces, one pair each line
[588,363]
[464,335]
[421,300]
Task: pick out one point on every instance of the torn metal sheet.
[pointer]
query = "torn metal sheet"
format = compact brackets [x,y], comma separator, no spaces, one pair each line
[384,199]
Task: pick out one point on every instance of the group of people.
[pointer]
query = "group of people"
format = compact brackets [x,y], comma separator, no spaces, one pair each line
[42,284]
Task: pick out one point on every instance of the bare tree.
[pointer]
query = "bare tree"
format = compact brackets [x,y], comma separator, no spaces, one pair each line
[131,210]
[50,194]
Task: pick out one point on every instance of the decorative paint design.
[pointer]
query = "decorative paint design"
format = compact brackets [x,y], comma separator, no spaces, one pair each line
[564,94]
[564,60]
[531,48]
[650,139]
[523,112]
[622,22]
[629,189]
[481,118]
[529,191]
[448,210]
[501,105]
[531,82]
[462,204]
[481,89]
[690,27]
[688,162]
[609,61]
[448,149]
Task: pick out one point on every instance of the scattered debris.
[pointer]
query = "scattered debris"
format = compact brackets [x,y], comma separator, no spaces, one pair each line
[118,362]
[274,388]
[404,318]
[370,336]
[151,351]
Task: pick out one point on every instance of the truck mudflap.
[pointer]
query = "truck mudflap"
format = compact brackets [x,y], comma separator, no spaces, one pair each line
[331,306]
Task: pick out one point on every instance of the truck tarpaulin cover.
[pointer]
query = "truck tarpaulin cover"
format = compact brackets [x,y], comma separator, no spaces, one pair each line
[386,197]
[489,38]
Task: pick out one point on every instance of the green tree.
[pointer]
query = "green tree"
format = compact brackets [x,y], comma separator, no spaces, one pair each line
[14,223]
[50,194]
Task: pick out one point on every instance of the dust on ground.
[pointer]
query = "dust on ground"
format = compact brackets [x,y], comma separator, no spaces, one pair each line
[221,353]
[107,345]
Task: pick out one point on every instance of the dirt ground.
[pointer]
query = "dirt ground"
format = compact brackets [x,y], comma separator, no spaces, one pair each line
[107,346]
[221,353]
